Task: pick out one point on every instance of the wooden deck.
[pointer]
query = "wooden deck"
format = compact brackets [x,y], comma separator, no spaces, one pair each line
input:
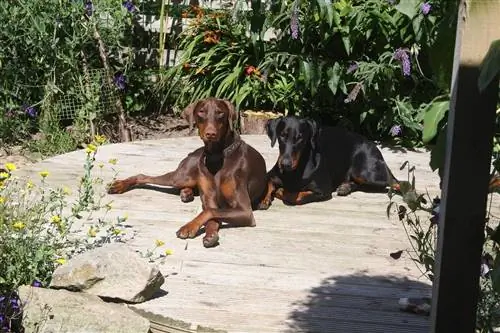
[322,267]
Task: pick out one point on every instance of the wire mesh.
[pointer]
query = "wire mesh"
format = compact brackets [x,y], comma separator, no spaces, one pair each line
[95,97]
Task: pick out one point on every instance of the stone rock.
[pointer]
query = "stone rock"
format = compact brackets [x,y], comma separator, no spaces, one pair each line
[62,311]
[112,271]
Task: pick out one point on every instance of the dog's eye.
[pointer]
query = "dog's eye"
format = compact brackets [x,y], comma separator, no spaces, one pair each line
[201,113]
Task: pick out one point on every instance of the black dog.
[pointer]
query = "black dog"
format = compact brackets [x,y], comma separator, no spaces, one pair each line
[315,161]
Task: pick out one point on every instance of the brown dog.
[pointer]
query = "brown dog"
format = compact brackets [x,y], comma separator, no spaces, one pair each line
[229,174]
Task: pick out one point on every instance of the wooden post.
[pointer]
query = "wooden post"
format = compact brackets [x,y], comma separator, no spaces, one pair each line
[467,165]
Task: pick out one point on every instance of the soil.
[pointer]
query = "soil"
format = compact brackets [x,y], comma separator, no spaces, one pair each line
[143,128]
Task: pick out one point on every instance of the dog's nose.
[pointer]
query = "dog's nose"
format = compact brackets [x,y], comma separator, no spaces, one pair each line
[210,134]
[286,164]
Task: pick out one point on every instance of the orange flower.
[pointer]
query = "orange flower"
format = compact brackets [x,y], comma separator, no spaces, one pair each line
[251,70]
[211,37]
[184,14]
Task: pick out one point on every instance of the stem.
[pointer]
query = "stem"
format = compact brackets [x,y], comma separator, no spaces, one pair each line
[122,122]
[161,45]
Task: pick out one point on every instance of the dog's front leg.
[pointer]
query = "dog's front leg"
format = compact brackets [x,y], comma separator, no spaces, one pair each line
[184,178]
[300,198]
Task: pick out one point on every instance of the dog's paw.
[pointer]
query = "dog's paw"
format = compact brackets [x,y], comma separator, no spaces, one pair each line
[187,195]
[118,187]
[265,204]
[344,189]
[187,231]
[279,193]
[211,240]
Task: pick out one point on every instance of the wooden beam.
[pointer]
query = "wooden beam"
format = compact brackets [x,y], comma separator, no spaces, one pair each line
[467,165]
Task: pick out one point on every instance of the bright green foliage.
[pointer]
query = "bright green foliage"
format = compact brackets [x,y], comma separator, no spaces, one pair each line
[334,60]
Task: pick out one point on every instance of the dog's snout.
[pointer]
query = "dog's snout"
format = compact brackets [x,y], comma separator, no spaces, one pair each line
[286,164]
[210,133]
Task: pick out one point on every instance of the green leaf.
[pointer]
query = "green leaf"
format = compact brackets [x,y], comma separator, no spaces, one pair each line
[441,54]
[416,23]
[305,69]
[334,77]
[490,66]
[336,18]
[433,115]
[347,43]
[408,7]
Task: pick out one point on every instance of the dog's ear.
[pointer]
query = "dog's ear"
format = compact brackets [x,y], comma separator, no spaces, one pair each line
[271,126]
[313,125]
[188,114]
[231,117]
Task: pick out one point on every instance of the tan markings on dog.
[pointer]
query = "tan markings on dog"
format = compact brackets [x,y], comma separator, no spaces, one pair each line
[302,195]
[359,180]
[227,188]
[295,159]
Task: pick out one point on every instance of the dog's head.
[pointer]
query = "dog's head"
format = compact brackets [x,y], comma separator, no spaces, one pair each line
[294,136]
[213,117]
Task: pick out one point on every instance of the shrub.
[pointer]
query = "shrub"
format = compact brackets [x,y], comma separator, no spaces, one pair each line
[48,49]
[365,64]
[38,229]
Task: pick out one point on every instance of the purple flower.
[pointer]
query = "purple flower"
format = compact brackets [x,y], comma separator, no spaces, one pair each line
[30,111]
[120,81]
[352,67]
[129,5]
[294,22]
[425,8]
[36,284]
[14,303]
[404,57]
[396,130]
[89,8]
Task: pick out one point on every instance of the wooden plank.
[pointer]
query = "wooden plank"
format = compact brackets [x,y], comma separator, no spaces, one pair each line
[471,125]
[322,267]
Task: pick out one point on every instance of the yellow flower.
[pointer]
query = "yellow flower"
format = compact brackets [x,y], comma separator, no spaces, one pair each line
[169,252]
[100,139]
[4,175]
[108,206]
[100,165]
[113,161]
[125,217]
[66,190]
[10,166]
[29,184]
[44,174]
[92,231]
[2,200]
[91,148]
[19,225]
[56,219]
[117,231]
[61,261]
[159,243]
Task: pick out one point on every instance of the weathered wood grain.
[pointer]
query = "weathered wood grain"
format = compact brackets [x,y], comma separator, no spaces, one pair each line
[323,267]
